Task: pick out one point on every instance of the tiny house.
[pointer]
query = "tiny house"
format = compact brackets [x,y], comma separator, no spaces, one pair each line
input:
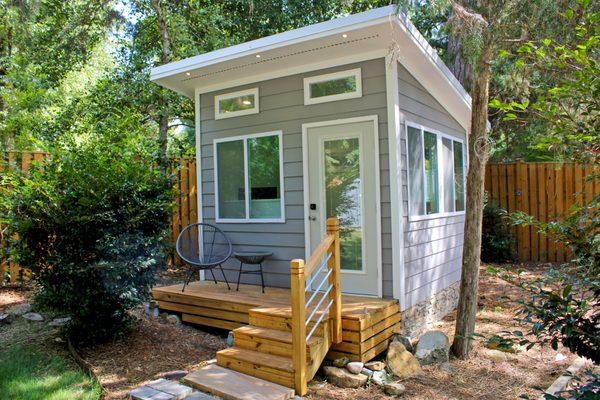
[355,118]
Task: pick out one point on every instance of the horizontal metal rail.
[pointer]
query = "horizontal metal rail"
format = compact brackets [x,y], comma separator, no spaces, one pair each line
[325,279]
[318,271]
[318,321]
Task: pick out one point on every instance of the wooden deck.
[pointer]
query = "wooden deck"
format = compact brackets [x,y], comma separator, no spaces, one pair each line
[368,323]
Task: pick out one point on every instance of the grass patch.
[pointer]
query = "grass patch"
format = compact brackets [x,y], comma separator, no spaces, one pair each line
[31,372]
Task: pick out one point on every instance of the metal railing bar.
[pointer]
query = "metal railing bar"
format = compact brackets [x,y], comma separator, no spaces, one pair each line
[325,294]
[325,279]
[318,321]
[318,271]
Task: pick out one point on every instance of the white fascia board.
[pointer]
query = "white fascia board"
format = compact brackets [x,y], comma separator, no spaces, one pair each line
[351,22]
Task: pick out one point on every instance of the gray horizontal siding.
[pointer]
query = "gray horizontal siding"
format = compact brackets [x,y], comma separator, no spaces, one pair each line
[432,247]
[282,108]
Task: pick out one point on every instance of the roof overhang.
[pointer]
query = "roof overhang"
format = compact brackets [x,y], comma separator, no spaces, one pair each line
[371,34]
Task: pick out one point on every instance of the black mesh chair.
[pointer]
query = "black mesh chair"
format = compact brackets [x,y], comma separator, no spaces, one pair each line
[203,247]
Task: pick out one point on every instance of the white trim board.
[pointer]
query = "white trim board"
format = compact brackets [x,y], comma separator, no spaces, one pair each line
[395,119]
[305,183]
[198,163]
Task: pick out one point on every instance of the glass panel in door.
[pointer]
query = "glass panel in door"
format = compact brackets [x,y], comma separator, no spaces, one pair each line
[343,197]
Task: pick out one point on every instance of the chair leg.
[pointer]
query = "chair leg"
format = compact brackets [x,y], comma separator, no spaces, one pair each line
[213,275]
[262,278]
[187,281]
[224,277]
[237,289]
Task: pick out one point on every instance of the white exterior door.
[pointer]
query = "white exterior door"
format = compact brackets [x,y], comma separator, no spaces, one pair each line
[342,182]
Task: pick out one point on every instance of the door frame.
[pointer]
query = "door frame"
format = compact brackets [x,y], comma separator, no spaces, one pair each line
[305,186]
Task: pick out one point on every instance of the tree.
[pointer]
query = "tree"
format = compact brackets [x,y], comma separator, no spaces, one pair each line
[482,28]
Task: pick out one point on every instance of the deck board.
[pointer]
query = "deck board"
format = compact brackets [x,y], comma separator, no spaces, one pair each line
[367,323]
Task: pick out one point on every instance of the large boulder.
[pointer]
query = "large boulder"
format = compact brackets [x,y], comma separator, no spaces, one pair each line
[406,341]
[433,347]
[401,362]
[343,378]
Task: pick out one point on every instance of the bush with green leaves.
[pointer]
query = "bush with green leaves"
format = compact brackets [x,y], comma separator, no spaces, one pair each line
[91,223]
[497,240]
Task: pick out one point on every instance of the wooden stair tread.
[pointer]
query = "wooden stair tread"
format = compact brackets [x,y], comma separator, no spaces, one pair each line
[255,357]
[272,334]
[233,385]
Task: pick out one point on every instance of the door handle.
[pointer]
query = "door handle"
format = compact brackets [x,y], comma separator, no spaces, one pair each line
[311,218]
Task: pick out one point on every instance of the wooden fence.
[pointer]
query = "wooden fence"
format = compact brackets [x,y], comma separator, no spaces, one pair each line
[544,190]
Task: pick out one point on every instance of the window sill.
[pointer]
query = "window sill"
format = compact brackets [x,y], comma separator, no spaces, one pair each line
[250,221]
[416,218]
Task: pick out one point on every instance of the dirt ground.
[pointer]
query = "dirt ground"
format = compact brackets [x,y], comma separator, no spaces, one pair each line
[156,346]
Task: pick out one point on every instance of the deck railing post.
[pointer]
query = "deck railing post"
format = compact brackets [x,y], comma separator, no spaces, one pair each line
[298,292]
[333,228]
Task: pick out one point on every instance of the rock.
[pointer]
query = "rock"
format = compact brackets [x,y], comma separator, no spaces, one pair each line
[59,321]
[341,362]
[31,316]
[401,362]
[4,318]
[175,389]
[394,389]
[173,375]
[406,341]
[173,319]
[342,378]
[433,347]
[496,355]
[355,367]
[447,368]
[200,396]
[367,372]
[230,339]
[375,365]
[19,309]
[379,377]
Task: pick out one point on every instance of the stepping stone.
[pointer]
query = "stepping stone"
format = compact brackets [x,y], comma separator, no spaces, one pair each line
[233,385]
[33,316]
[200,396]
[161,389]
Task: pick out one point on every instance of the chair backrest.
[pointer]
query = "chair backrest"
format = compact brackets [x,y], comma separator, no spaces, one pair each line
[203,245]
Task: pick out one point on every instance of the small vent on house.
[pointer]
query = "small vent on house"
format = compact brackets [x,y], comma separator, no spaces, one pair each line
[266,60]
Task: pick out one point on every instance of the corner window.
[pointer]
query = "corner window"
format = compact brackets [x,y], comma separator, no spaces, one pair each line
[236,104]
[249,178]
[331,87]
[436,172]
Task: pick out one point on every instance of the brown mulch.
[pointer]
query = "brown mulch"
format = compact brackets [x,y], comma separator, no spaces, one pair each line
[479,377]
[154,346]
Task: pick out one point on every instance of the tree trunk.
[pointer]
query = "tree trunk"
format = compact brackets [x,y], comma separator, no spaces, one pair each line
[478,153]
[458,65]
[163,119]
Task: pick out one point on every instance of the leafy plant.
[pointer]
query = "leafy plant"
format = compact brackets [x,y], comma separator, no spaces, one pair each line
[91,223]
[497,241]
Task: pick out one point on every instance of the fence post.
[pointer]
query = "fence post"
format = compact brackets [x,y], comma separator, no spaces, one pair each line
[298,292]
[333,228]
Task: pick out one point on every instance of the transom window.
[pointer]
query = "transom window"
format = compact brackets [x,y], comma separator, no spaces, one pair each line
[331,87]
[236,104]
[436,172]
[249,178]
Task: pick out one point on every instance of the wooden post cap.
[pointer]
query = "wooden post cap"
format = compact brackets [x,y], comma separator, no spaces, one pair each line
[333,224]
[297,266]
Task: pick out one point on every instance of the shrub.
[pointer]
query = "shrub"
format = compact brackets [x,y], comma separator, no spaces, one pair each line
[497,241]
[92,222]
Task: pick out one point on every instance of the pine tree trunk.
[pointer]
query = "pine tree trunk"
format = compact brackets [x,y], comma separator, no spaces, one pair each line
[163,120]
[478,153]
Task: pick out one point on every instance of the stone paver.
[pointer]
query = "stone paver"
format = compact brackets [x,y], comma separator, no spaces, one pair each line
[161,389]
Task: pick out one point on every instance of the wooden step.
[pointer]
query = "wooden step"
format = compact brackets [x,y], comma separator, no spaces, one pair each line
[232,385]
[274,318]
[271,341]
[270,367]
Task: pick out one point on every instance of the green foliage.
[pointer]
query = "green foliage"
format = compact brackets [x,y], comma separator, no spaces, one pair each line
[91,223]
[564,304]
[559,111]
[497,240]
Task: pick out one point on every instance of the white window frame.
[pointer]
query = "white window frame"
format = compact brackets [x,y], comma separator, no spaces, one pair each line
[330,77]
[441,192]
[240,93]
[247,219]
